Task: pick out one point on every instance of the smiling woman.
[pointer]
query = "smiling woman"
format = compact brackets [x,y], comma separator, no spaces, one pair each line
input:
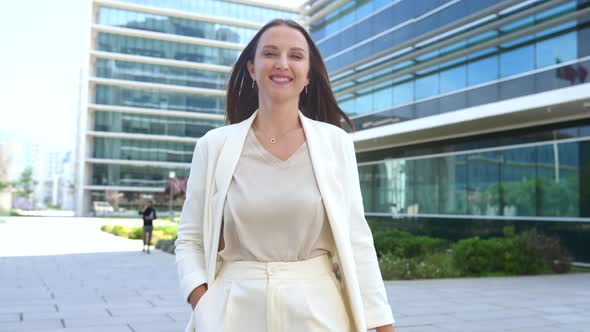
[273,235]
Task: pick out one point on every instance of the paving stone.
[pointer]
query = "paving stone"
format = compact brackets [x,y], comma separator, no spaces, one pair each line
[101,283]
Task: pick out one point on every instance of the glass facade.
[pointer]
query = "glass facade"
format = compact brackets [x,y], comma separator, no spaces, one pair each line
[216,8]
[151,73]
[174,25]
[546,48]
[152,124]
[134,176]
[129,149]
[158,99]
[128,109]
[108,42]
[392,62]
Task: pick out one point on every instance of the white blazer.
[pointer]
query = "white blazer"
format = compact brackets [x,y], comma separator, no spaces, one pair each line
[334,163]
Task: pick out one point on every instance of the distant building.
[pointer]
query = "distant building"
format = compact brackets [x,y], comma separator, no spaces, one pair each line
[467,112]
[156,83]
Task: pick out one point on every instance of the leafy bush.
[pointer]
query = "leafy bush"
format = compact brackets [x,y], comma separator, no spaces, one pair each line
[548,250]
[107,228]
[169,230]
[166,245]
[119,230]
[526,253]
[136,233]
[431,266]
[404,244]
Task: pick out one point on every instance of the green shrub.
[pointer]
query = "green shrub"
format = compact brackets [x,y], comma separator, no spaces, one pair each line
[438,265]
[512,256]
[158,235]
[548,251]
[107,228]
[119,230]
[404,244]
[136,233]
[166,245]
[169,230]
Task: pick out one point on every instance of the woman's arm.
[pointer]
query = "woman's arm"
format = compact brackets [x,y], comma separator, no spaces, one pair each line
[377,310]
[386,328]
[190,257]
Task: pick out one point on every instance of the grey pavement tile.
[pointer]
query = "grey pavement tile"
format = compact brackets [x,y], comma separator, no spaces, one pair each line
[164,327]
[500,314]
[118,291]
[95,314]
[420,328]
[18,308]
[552,328]
[570,318]
[10,318]
[131,319]
[102,328]
[31,325]
[424,320]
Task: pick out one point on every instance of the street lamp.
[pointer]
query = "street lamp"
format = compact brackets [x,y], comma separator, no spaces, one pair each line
[171,176]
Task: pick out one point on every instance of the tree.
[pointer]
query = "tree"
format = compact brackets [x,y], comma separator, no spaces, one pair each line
[3,184]
[24,186]
[4,181]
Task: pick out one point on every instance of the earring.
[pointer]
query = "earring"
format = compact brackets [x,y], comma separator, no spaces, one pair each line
[253,83]
[305,89]
[241,84]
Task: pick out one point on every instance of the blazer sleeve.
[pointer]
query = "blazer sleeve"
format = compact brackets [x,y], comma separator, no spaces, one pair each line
[190,257]
[376,307]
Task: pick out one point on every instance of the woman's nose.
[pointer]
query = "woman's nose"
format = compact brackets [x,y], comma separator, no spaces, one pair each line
[282,62]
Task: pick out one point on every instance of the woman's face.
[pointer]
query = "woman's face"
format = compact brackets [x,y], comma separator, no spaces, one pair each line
[281,64]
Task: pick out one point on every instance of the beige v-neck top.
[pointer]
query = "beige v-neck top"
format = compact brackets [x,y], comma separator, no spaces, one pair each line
[274,211]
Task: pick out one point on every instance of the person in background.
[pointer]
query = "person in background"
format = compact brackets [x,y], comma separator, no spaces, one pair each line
[149,214]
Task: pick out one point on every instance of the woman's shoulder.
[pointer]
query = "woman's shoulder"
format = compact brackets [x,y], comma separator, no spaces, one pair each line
[329,128]
[217,135]
[332,132]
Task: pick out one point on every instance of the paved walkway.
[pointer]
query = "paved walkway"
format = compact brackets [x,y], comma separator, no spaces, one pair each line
[66,275]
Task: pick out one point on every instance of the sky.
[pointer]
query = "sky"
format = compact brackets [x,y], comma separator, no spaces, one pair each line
[43,49]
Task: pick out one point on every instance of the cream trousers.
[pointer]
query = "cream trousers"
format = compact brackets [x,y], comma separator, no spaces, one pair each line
[302,296]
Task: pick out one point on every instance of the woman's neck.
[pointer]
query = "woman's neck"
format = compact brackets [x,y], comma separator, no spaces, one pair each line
[275,119]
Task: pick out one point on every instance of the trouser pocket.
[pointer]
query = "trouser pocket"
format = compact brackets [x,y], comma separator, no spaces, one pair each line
[209,314]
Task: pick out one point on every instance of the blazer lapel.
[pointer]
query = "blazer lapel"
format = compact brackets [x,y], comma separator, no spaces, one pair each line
[320,156]
[224,170]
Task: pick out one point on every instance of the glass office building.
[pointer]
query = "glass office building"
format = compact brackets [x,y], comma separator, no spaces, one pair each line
[469,115]
[156,81]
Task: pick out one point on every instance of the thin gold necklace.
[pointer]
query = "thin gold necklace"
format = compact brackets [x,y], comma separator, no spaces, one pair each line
[273,140]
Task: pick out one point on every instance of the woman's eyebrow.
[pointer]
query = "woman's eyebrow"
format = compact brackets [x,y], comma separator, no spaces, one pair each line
[291,49]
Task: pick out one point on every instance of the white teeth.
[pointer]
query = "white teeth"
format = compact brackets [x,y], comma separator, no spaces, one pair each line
[280,79]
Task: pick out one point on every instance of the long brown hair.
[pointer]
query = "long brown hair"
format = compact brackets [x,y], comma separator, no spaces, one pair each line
[318,103]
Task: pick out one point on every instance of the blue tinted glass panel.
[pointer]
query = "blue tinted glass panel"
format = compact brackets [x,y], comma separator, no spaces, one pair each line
[483,70]
[126,149]
[156,99]
[174,25]
[453,79]
[142,72]
[427,86]
[165,49]
[517,61]
[152,124]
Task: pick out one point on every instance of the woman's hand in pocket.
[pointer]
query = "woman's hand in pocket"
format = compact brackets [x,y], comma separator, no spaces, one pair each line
[196,295]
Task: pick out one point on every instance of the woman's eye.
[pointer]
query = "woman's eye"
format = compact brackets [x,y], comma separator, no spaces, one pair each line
[297,56]
[268,54]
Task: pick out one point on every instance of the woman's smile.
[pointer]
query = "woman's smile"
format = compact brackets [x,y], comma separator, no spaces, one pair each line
[280,79]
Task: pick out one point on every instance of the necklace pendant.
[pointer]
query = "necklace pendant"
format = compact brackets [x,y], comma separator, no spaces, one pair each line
[272,140]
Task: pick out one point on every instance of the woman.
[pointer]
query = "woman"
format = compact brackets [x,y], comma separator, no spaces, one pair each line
[272,234]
